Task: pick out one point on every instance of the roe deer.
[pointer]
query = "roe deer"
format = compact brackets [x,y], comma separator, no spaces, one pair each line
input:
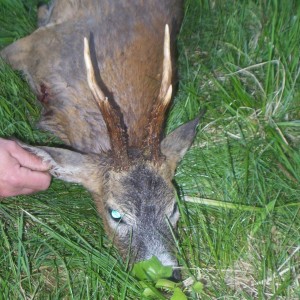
[105,97]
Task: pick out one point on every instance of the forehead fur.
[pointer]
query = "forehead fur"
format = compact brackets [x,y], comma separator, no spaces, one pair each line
[141,188]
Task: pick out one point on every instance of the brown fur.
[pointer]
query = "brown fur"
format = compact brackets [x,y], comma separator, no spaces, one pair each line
[126,41]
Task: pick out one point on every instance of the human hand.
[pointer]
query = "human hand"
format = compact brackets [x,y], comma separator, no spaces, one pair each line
[21,172]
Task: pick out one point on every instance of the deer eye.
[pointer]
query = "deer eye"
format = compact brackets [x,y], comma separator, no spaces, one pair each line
[116,216]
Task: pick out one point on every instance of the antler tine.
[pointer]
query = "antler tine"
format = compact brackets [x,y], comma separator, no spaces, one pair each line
[111,116]
[163,100]
[167,71]
[96,91]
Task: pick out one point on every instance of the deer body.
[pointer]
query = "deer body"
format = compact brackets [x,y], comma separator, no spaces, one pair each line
[132,187]
[127,38]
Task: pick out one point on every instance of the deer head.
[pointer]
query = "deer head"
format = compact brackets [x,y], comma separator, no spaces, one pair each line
[132,188]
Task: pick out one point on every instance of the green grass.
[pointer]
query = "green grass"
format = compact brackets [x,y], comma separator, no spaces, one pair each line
[240,235]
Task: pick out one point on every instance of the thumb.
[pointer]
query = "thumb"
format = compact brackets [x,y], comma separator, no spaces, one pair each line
[28,160]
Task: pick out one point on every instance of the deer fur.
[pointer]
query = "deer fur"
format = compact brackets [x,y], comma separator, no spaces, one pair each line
[115,133]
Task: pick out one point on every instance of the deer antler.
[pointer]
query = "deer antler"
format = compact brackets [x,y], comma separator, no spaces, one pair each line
[111,116]
[162,103]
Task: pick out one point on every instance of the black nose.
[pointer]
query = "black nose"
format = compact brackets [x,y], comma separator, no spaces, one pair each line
[176,275]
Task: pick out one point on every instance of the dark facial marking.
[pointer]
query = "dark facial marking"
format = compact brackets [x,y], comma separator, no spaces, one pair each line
[145,188]
[43,97]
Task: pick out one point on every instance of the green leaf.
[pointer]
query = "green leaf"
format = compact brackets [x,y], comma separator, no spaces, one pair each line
[151,269]
[149,294]
[178,295]
[165,284]
[197,287]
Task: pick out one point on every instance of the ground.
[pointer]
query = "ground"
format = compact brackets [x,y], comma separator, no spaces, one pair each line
[238,185]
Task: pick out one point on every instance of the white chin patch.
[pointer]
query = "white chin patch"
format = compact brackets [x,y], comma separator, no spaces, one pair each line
[167,260]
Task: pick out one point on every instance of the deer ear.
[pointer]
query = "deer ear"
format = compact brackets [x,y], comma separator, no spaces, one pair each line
[69,165]
[175,145]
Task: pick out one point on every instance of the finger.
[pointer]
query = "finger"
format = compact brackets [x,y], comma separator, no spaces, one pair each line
[35,180]
[15,192]
[24,191]
[28,160]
